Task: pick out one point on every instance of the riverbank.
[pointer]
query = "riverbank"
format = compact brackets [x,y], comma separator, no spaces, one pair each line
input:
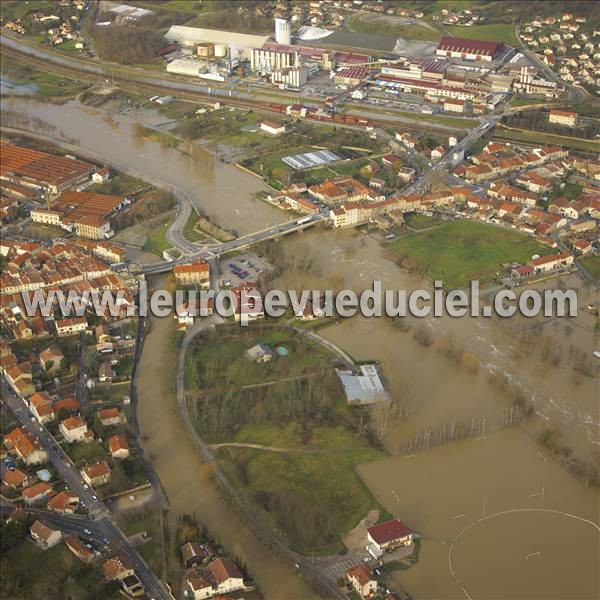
[187,480]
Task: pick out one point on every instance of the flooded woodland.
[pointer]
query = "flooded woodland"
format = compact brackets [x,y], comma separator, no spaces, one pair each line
[488,461]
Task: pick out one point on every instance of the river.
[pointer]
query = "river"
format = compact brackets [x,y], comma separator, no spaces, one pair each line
[438,394]
[225,192]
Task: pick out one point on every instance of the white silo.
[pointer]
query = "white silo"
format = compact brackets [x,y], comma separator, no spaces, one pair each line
[283,31]
[220,50]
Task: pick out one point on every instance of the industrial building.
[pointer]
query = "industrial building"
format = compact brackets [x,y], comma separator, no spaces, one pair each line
[267,60]
[290,77]
[42,171]
[283,31]
[364,388]
[240,44]
[455,47]
[85,213]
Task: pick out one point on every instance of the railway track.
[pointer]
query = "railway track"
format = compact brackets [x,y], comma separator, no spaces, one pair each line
[136,79]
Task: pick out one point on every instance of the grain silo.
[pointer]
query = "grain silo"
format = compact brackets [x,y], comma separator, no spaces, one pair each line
[283,31]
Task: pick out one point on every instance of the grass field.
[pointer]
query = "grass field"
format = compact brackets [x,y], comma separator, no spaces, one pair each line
[148,522]
[462,251]
[309,489]
[225,364]
[538,137]
[456,122]
[157,242]
[497,32]
[380,26]
[526,100]
[314,497]
[592,265]
[17,9]
[421,221]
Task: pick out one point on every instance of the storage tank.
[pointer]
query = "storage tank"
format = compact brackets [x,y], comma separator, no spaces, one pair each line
[283,31]
[205,49]
[220,50]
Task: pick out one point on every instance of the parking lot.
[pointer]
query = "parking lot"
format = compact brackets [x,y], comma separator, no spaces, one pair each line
[242,268]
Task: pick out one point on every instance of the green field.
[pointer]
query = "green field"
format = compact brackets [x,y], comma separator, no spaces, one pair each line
[526,100]
[497,32]
[407,31]
[314,497]
[462,251]
[17,9]
[308,486]
[421,221]
[225,364]
[455,122]
[538,137]
[592,265]
[157,242]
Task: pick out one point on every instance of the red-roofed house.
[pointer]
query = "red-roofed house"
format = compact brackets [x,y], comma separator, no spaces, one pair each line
[15,478]
[36,493]
[97,473]
[41,406]
[362,580]
[111,416]
[388,536]
[63,502]
[74,429]
[550,262]
[196,273]
[44,536]
[119,448]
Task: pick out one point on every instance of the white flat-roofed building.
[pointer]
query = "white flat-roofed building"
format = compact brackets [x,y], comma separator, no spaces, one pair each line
[363,388]
[190,67]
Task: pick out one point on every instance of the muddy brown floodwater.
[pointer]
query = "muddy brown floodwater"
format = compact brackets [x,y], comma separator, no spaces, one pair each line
[184,477]
[225,192]
[550,552]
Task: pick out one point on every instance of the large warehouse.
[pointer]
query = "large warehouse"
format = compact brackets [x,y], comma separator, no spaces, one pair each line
[192,36]
[454,47]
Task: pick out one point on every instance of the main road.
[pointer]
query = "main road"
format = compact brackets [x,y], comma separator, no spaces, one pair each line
[100,515]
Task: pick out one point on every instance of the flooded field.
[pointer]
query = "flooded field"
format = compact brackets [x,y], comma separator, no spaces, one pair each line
[500,519]
[438,390]
[438,491]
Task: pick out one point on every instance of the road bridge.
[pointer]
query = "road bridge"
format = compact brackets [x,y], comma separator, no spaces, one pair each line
[213,252]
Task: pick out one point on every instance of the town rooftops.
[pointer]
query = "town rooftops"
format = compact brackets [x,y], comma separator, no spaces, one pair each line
[109,413]
[15,478]
[563,113]
[62,500]
[549,258]
[41,166]
[79,549]
[388,531]
[69,403]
